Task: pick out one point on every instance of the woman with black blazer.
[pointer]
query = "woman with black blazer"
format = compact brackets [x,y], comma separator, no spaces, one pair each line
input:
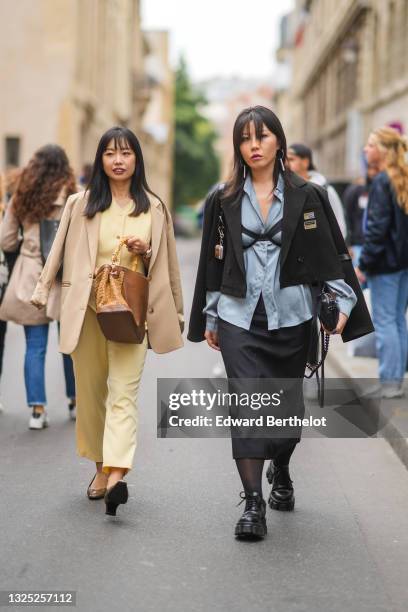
[253,298]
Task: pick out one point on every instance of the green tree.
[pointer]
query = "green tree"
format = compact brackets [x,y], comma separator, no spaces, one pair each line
[196,165]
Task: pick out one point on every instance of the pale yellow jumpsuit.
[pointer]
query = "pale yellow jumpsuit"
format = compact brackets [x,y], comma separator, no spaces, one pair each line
[107,374]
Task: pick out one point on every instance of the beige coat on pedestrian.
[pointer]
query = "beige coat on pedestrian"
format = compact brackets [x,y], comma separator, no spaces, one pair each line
[27,270]
[76,245]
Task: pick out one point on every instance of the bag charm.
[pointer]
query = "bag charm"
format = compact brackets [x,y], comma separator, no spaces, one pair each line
[219,248]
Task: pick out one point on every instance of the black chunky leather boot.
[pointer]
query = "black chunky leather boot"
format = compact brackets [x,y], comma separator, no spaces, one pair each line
[252,523]
[282,495]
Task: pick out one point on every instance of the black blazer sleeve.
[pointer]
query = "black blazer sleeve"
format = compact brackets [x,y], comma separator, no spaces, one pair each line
[208,267]
[359,323]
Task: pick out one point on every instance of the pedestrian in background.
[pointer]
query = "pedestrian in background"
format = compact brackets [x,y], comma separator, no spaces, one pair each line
[8,184]
[257,308]
[85,175]
[300,160]
[41,194]
[118,203]
[355,205]
[384,257]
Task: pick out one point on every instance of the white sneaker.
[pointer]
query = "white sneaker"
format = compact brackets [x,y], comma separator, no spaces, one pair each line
[38,420]
[392,391]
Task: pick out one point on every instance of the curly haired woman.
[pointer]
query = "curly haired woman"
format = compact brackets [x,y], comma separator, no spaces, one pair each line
[42,191]
[384,257]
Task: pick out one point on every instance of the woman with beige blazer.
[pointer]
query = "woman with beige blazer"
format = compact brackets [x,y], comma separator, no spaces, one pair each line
[40,196]
[117,202]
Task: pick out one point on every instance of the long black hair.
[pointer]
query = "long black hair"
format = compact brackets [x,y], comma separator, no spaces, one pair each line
[100,196]
[260,115]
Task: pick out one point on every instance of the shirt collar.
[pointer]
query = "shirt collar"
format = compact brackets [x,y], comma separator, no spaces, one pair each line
[278,191]
[280,187]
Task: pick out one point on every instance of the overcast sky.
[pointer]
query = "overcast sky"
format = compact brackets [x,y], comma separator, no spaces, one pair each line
[220,37]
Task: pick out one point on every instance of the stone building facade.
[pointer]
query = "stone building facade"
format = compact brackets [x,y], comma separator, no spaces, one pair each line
[69,69]
[158,124]
[349,74]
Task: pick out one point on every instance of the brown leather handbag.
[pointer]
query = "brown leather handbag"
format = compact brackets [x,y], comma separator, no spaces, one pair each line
[121,300]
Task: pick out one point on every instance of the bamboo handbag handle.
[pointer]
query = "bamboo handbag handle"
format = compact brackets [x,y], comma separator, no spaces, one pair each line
[115,260]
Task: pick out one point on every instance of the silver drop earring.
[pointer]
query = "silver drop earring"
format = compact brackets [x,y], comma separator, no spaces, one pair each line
[281,160]
[244,171]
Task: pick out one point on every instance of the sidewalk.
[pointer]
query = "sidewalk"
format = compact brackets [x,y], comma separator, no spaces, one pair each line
[346,366]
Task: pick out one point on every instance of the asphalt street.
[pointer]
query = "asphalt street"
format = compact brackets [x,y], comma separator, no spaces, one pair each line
[171,548]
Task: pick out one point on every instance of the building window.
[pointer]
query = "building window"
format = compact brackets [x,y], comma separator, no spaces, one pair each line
[12,151]
[347,73]
[392,44]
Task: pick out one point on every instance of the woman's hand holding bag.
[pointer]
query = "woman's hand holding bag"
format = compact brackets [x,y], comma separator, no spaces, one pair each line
[121,300]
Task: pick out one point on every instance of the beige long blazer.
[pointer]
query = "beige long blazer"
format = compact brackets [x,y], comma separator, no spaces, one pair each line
[16,304]
[76,245]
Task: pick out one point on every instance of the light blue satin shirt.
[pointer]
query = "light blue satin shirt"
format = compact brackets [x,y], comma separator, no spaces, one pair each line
[284,307]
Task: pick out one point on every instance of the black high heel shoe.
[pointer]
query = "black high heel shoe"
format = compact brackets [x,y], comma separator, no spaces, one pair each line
[118,494]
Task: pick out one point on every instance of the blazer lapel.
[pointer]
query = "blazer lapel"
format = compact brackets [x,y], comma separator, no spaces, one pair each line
[293,206]
[232,214]
[157,229]
[92,230]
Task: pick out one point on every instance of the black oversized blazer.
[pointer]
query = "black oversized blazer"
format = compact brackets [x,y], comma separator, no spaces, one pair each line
[308,256]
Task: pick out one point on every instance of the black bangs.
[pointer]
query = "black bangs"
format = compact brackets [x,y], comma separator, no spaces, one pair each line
[258,123]
[254,114]
[120,137]
[120,142]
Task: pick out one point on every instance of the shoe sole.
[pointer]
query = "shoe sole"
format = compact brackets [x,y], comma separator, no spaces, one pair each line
[34,427]
[396,395]
[281,505]
[251,531]
[278,505]
[93,497]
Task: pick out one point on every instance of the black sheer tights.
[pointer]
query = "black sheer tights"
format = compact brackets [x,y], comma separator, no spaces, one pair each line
[250,470]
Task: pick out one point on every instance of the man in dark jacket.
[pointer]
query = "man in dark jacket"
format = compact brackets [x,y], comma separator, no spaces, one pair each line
[355,199]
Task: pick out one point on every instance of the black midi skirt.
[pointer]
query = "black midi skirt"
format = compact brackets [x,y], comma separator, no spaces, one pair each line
[260,353]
